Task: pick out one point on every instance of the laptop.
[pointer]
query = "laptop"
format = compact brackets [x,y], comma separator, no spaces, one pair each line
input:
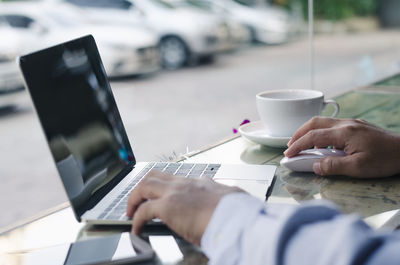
[87,139]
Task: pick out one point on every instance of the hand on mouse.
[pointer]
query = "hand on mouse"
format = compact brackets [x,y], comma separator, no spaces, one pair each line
[184,205]
[371,151]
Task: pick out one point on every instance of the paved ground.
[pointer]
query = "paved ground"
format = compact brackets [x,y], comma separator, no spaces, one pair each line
[175,111]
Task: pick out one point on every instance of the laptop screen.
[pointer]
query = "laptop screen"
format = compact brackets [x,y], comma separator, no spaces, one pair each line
[79,117]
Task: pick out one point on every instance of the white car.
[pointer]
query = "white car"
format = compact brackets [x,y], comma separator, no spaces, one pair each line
[11,84]
[186,34]
[124,51]
[269,25]
[239,33]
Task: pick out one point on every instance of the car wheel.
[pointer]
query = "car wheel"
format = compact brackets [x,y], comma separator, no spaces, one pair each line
[174,53]
[253,34]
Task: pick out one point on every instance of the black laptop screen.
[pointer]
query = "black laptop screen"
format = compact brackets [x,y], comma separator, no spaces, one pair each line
[79,117]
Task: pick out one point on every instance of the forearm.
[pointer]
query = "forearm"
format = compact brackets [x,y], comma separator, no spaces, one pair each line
[244,230]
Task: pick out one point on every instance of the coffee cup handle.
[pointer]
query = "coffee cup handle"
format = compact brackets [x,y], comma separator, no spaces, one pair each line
[335,105]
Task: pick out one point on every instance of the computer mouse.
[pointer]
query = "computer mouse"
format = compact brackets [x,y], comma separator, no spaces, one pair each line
[303,162]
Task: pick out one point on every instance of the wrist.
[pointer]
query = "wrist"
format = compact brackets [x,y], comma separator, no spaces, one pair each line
[396,153]
[228,218]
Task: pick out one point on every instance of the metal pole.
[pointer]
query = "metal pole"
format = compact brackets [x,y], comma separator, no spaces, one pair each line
[311,40]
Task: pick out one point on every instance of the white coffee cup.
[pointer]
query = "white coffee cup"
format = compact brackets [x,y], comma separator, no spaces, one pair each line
[284,111]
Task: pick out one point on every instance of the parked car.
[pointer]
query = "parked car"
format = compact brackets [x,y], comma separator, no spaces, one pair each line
[239,33]
[269,25]
[124,51]
[11,84]
[186,34]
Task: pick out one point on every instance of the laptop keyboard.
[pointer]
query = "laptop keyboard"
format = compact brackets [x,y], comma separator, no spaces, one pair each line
[117,209]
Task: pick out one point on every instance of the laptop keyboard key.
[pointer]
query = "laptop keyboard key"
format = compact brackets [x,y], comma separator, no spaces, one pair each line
[182,172]
[124,218]
[160,166]
[200,167]
[186,166]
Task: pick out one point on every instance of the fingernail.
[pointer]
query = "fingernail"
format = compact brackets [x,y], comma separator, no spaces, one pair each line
[317,168]
[284,152]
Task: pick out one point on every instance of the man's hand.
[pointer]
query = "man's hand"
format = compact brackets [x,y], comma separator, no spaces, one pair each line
[184,205]
[371,151]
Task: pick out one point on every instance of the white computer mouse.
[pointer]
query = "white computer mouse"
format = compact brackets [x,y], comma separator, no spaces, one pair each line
[304,161]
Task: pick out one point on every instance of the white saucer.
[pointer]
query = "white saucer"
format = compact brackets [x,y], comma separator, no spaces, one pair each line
[255,132]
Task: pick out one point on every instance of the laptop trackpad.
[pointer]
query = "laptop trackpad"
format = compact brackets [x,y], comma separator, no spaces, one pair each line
[257,188]
[246,172]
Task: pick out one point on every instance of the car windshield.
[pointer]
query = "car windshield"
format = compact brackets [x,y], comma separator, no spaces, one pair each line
[179,3]
[3,22]
[202,4]
[245,3]
[163,4]
[121,4]
[64,20]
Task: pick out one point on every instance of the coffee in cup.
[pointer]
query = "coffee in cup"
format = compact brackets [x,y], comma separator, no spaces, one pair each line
[284,111]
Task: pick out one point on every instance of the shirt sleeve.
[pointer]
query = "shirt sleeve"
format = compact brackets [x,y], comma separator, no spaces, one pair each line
[245,230]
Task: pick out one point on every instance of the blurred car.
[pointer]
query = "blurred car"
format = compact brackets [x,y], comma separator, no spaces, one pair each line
[11,84]
[124,51]
[239,33]
[186,34]
[269,25]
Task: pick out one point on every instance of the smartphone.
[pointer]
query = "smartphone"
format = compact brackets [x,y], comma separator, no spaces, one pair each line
[115,249]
